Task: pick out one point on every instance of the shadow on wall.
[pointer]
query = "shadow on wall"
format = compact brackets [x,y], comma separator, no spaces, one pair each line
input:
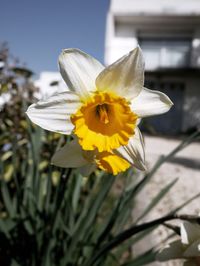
[192,109]
[190,163]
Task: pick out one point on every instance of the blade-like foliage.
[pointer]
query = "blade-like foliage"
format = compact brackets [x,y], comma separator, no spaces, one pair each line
[53,216]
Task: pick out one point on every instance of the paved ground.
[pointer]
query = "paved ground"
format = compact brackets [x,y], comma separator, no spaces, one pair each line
[185,166]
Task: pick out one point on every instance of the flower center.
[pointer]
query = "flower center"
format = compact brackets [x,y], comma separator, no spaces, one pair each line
[102,113]
[104,122]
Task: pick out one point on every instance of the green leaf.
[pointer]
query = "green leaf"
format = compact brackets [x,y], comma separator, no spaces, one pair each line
[7,198]
[175,210]
[76,192]
[6,155]
[4,88]
[14,263]
[157,199]
[4,228]
[9,170]
[86,221]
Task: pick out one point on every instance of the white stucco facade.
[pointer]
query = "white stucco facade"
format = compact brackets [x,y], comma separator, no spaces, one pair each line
[49,83]
[168,32]
[135,18]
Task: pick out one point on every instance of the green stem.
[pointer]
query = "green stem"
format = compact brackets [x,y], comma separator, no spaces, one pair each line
[133,230]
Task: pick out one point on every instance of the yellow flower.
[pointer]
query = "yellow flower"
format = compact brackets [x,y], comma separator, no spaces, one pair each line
[101,107]
[104,121]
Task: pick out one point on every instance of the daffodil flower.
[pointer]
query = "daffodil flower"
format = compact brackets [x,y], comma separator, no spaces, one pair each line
[101,107]
[187,247]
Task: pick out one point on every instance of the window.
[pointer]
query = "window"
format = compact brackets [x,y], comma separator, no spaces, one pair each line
[124,30]
[169,52]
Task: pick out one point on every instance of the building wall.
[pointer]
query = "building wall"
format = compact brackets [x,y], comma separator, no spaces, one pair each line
[133,22]
[49,83]
[188,103]
[130,21]
[191,107]
[155,6]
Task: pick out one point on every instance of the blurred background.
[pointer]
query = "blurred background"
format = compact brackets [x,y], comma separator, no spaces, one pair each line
[168,31]
[34,32]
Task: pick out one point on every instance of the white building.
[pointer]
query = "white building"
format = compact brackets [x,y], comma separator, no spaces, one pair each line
[49,83]
[168,32]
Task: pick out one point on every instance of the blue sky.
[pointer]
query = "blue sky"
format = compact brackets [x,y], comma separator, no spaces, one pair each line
[37,30]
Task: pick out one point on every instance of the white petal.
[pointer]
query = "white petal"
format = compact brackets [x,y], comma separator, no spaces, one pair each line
[193,250]
[138,121]
[54,113]
[69,156]
[125,77]
[79,70]
[133,152]
[150,102]
[173,251]
[190,232]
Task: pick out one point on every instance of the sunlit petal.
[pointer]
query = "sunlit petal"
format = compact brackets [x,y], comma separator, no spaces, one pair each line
[54,113]
[189,232]
[111,163]
[133,152]
[150,102]
[79,70]
[125,77]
